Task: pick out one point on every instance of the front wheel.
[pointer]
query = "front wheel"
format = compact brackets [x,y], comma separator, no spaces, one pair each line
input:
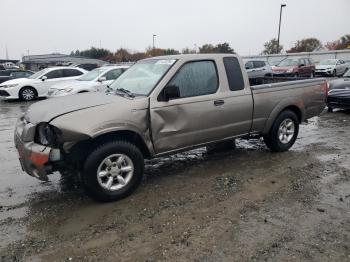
[27,93]
[283,133]
[113,171]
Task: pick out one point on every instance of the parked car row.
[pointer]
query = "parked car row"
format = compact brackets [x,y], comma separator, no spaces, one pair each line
[60,81]
[296,67]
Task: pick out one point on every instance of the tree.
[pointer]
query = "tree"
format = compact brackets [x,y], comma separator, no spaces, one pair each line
[122,55]
[186,50]
[219,48]
[224,48]
[171,51]
[306,45]
[342,43]
[207,48]
[93,52]
[272,47]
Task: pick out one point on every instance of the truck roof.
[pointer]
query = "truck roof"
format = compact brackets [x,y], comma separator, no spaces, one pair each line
[192,56]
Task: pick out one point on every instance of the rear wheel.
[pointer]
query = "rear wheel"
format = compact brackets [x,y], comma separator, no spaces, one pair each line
[113,171]
[27,93]
[283,133]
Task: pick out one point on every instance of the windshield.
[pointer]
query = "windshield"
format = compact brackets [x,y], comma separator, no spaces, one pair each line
[141,78]
[38,74]
[328,62]
[92,75]
[288,62]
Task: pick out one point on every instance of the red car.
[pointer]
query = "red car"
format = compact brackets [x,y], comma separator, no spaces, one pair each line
[294,67]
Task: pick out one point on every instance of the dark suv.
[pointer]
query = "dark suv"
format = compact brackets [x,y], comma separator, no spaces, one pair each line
[295,67]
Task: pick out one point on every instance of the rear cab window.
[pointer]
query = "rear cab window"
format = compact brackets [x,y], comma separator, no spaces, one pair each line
[234,73]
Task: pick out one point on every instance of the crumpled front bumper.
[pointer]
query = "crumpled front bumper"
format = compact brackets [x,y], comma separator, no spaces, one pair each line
[34,158]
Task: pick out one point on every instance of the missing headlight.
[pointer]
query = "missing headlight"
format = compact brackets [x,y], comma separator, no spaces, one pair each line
[46,134]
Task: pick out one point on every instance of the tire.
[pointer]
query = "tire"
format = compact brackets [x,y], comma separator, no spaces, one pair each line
[278,140]
[114,184]
[312,75]
[296,75]
[27,93]
[330,110]
[334,73]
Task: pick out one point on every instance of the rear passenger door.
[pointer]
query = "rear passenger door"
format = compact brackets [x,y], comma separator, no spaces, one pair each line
[53,77]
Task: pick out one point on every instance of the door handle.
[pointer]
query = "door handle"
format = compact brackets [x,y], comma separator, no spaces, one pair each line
[219,102]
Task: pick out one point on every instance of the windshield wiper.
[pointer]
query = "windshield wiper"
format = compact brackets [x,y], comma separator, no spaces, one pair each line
[125,91]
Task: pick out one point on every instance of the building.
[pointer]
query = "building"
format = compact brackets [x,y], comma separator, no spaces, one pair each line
[37,62]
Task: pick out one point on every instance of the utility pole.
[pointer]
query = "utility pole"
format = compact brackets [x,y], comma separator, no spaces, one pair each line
[279,29]
[7,53]
[153,44]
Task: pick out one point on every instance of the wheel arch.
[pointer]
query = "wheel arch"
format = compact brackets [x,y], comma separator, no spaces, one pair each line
[27,86]
[79,152]
[297,108]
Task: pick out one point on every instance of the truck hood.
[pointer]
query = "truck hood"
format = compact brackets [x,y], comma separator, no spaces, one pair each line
[45,111]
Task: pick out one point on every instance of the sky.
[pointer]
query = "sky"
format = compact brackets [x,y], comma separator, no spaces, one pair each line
[47,26]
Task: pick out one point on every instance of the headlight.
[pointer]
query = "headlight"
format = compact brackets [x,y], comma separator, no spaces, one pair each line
[9,86]
[46,134]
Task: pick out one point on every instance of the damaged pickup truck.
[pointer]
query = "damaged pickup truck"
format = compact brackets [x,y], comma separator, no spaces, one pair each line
[160,106]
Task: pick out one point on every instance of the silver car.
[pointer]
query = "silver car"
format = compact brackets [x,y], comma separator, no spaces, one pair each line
[257,69]
[332,67]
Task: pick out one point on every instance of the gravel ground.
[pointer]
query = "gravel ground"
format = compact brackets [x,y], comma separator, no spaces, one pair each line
[244,204]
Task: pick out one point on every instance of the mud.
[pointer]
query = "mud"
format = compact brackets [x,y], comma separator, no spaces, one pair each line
[244,204]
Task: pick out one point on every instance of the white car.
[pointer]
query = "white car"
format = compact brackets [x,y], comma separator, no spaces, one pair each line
[332,67]
[38,84]
[93,81]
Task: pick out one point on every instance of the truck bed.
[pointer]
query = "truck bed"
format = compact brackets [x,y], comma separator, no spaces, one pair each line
[308,94]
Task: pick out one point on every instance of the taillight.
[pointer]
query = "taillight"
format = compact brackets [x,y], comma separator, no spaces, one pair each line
[325,87]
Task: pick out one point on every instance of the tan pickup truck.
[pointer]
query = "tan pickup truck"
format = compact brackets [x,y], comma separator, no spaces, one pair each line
[160,106]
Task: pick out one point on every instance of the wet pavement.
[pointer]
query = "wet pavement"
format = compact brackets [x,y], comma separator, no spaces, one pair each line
[244,204]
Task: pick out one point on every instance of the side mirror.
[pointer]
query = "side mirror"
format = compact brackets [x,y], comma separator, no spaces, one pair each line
[101,79]
[301,65]
[43,78]
[171,92]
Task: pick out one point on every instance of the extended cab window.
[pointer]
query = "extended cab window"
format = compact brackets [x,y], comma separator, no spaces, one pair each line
[196,79]
[234,73]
